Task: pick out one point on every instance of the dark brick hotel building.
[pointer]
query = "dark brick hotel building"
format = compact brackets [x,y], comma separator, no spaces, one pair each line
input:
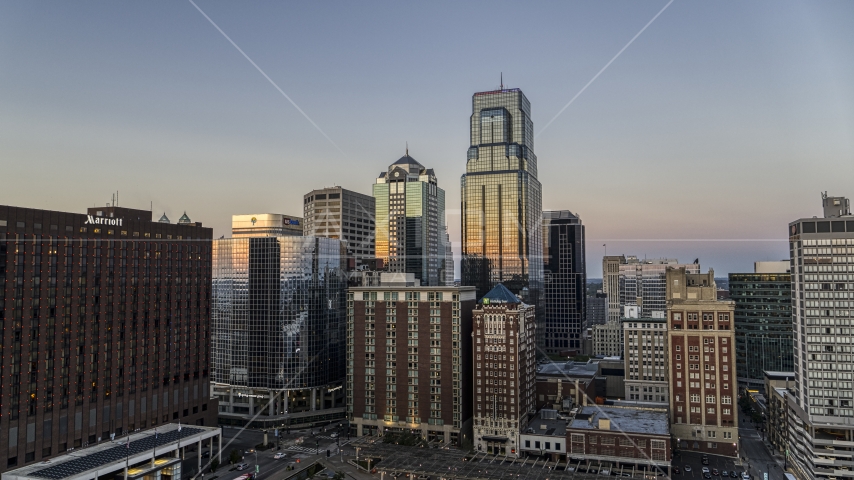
[105,328]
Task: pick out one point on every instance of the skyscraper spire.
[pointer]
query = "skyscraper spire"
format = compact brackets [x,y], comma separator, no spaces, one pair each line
[502,80]
[407,149]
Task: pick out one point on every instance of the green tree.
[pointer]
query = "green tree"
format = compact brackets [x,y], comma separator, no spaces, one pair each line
[234,456]
[214,464]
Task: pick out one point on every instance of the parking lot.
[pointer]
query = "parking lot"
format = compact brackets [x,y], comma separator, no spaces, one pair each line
[694,460]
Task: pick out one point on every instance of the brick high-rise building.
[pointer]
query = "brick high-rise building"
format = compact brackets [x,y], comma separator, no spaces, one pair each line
[701,345]
[409,361]
[504,333]
[106,327]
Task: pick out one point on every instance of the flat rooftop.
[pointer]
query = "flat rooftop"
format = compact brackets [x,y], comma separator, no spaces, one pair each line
[110,456]
[546,426]
[568,369]
[628,420]
[772,375]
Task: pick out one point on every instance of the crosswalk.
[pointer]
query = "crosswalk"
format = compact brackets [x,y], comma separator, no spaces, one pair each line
[323,448]
[298,448]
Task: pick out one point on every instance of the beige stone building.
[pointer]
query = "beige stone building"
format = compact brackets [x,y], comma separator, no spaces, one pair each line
[701,344]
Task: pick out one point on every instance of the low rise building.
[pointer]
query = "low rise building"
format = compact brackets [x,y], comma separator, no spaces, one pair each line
[155,453]
[777,385]
[545,436]
[621,436]
[564,385]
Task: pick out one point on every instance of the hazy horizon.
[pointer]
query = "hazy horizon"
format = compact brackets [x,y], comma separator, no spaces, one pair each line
[716,127]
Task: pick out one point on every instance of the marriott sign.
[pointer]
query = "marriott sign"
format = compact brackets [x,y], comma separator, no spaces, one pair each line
[90,220]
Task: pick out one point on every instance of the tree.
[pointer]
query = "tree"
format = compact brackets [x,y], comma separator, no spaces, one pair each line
[214,464]
[338,476]
[234,456]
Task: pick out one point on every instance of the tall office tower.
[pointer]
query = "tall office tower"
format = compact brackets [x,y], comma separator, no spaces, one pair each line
[763,322]
[336,212]
[265,225]
[448,267]
[611,285]
[701,342]
[419,380]
[278,329]
[501,198]
[410,220]
[642,283]
[504,371]
[821,414]
[565,283]
[597,309]
[646,358]
[105,320]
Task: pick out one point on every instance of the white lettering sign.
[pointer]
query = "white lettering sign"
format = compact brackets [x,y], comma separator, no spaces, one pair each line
[90,220]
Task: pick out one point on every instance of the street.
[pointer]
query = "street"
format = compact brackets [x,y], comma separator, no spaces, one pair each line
[758,458]
[313,447]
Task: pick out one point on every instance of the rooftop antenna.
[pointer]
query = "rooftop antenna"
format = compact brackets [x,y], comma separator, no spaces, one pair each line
[502,80]
[407,149]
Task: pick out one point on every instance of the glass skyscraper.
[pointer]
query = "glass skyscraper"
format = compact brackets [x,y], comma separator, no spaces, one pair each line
[763,325]
[410,221]
[277,314]
[565,283]
[501,198]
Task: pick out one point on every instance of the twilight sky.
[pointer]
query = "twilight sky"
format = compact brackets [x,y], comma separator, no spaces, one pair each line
[718,125]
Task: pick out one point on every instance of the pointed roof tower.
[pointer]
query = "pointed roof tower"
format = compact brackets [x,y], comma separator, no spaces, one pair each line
[184,219]
[499,294]
[164,219]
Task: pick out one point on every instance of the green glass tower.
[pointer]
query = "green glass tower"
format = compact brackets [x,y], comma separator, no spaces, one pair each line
[501,198]
[410,221]
[763,325]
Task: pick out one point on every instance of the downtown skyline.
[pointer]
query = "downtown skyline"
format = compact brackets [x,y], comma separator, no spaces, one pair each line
[157,104]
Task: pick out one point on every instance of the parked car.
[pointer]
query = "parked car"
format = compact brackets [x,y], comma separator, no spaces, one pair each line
[707,475]
[242,466]
[732,474]
[206,454]
[706,470]
[715,472]
[745,476]
[705,460]
[676,470]
[687,468]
